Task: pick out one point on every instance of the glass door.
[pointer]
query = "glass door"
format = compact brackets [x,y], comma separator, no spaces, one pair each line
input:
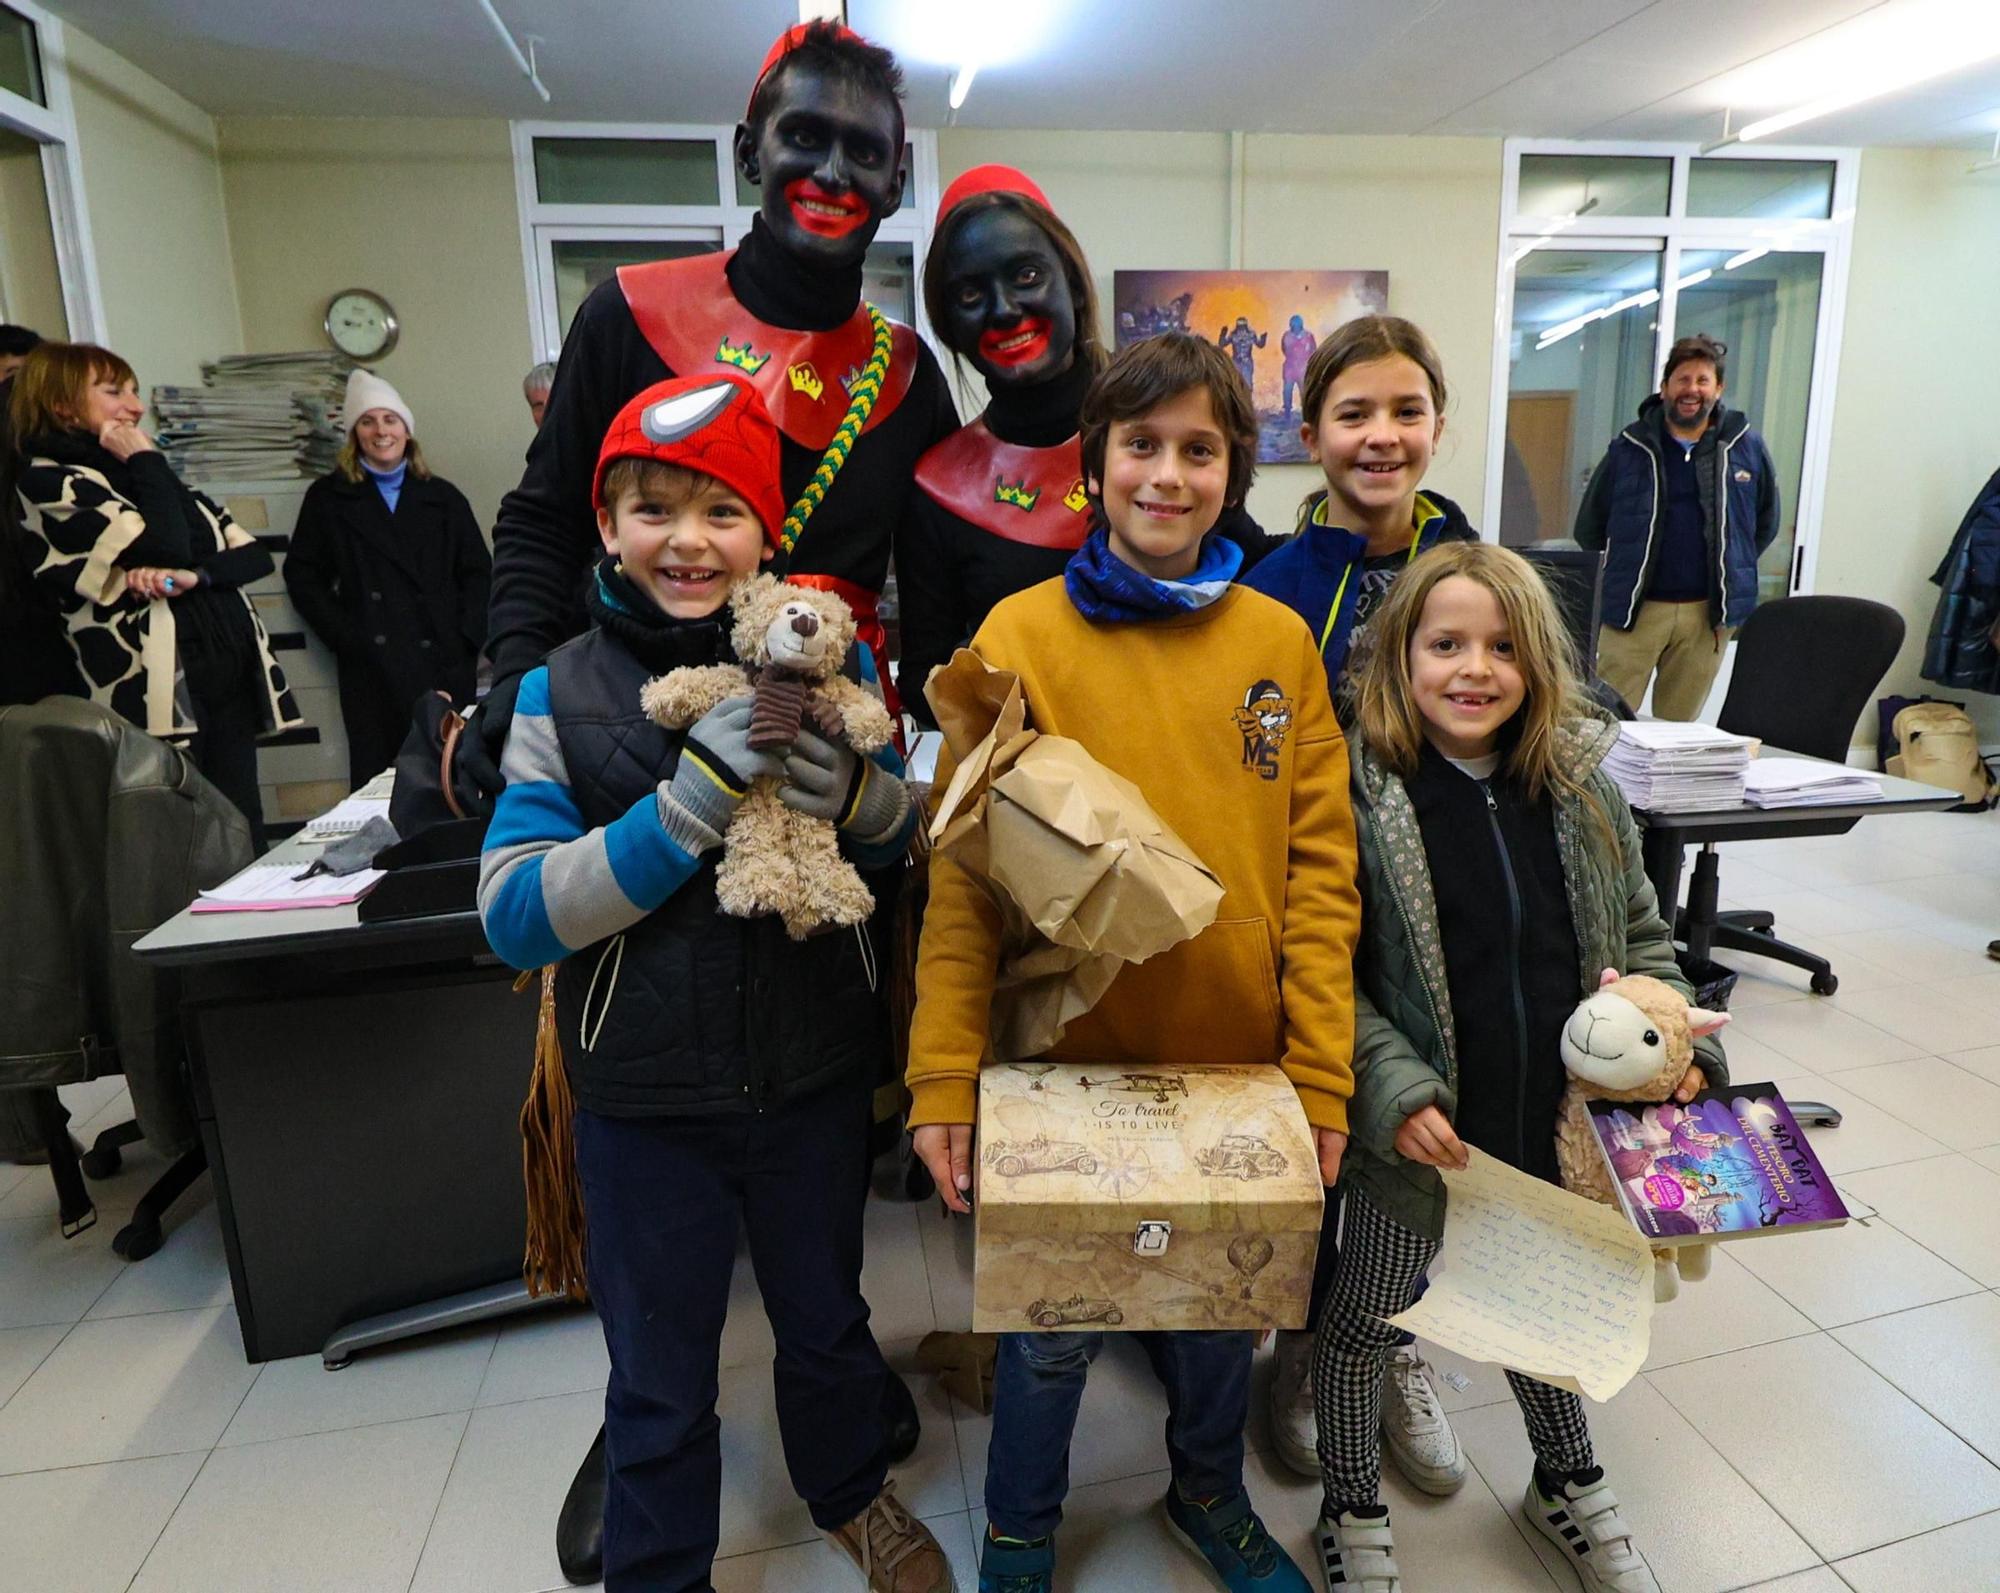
[1763,304]
[1580,360]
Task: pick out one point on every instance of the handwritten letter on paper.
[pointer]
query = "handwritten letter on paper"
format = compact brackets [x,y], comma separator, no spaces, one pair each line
[1538,1280]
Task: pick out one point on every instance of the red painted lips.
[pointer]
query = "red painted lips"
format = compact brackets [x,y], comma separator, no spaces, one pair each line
[828,215]
[1020,344]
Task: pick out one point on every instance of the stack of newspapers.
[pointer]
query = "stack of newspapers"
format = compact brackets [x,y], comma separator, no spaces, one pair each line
[1671,767]
[256,417]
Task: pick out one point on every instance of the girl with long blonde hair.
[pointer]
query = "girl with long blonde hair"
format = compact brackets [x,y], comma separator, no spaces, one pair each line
[1501,879]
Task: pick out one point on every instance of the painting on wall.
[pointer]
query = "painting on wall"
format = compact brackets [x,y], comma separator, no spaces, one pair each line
[1268,322]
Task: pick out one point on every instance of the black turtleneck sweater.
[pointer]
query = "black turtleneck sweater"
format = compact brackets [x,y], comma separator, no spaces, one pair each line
[950,573]
[546,535]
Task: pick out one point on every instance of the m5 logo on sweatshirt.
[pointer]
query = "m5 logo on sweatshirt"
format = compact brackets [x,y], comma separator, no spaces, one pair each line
[1265,719]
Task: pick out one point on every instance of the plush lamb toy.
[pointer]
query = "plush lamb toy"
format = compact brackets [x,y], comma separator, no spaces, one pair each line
[792,640]
[1631,1041]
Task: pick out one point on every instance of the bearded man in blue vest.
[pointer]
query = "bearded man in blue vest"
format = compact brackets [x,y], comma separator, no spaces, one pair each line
[1683,506]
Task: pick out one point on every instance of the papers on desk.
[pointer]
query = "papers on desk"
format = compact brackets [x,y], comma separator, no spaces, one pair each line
[1807,782]
[1679,768]
[276,887]
[351,813]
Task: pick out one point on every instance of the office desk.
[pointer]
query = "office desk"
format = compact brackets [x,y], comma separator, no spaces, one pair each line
[358,1088]
[1664,833]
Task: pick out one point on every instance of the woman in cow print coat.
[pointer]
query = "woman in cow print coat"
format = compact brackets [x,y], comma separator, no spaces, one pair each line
[148,574]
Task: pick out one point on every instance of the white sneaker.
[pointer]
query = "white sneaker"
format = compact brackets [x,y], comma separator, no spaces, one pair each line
[1294,1428]
[1415,1430]
[1357,1553]
[1585,1524]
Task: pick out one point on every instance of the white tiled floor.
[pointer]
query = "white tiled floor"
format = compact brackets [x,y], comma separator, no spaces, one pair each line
[1822,1414]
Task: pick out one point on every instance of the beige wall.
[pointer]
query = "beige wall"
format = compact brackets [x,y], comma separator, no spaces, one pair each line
[153,194]
[1163,200]
[1351,203]
[1913,434]
[421,211]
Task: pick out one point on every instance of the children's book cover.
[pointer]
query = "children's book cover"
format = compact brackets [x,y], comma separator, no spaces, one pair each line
[1731,1164]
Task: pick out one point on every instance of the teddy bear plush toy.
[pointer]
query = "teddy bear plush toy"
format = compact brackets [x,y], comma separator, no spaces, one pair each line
[792,641]
[1630,1041]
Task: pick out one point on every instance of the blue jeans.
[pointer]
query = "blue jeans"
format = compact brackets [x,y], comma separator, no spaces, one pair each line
[1038,1384]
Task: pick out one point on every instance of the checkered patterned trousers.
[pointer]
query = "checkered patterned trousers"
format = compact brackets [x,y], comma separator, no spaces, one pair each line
[1380,1263]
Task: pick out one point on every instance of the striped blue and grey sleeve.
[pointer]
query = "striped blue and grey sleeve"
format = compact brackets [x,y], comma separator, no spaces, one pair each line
[548,885]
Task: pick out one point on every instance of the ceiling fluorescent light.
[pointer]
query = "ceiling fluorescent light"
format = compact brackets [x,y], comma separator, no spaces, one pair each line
[1744,258]
[1890,48]
[1700,276]
[961,83]
[525,62]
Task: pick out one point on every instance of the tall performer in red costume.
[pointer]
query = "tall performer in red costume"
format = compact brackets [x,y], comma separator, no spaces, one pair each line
[856,397]
[1000,504]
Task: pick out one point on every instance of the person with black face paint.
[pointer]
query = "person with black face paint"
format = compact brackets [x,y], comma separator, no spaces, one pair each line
[1000,504]
[823,142]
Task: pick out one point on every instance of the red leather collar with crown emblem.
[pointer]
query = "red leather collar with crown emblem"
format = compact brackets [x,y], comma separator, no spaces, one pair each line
[685,310]
[1031,495]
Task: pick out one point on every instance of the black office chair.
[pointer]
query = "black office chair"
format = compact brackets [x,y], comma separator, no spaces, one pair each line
[1805,669]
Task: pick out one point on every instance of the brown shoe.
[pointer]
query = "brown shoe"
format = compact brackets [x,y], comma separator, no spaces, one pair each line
[893,1550]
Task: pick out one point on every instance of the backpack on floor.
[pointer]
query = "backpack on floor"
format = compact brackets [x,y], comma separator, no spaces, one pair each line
[1937,745]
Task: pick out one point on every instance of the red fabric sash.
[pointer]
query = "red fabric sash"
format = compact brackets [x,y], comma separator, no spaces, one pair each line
[1031,495]
[685,310]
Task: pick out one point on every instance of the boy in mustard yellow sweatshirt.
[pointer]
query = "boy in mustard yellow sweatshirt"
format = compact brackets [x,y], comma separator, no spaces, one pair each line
[1211,699]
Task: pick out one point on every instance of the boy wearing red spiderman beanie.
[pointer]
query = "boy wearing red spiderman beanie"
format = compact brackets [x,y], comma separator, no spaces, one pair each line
[722,1071]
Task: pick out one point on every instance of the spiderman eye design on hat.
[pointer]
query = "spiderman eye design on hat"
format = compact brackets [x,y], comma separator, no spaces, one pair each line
[685,413]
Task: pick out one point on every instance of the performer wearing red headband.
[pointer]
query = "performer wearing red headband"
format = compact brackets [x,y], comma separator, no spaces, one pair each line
[1000,504]
[857,400]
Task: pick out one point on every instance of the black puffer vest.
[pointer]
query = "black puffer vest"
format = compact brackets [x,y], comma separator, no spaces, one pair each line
[689,1010]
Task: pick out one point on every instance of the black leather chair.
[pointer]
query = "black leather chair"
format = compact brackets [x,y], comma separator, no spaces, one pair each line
[1805,669]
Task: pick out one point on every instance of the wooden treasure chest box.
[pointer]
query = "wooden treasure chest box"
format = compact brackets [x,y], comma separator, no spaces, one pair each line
[1158,1198]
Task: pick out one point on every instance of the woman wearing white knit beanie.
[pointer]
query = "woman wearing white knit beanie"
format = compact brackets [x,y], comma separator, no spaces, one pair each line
[389,568]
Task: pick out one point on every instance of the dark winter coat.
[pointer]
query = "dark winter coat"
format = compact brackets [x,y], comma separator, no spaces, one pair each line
[1959,652]
[399,598]
[108,832]
[1318,573]
[691,1010]
[1623,513]
[90,517]
[1407,1042]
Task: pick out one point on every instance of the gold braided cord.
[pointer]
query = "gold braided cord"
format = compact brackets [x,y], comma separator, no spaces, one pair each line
[860,405]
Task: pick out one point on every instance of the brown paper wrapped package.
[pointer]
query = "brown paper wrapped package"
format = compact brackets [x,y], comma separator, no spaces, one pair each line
[1086,876]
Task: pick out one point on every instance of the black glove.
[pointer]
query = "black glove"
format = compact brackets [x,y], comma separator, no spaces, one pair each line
[477,763]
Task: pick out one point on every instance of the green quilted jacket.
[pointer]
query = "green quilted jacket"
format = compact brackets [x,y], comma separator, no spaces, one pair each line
[1405,1052]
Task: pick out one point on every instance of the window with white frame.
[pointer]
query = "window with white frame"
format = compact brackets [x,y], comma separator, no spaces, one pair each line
[48,279]
[594,196]
[1611,251]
